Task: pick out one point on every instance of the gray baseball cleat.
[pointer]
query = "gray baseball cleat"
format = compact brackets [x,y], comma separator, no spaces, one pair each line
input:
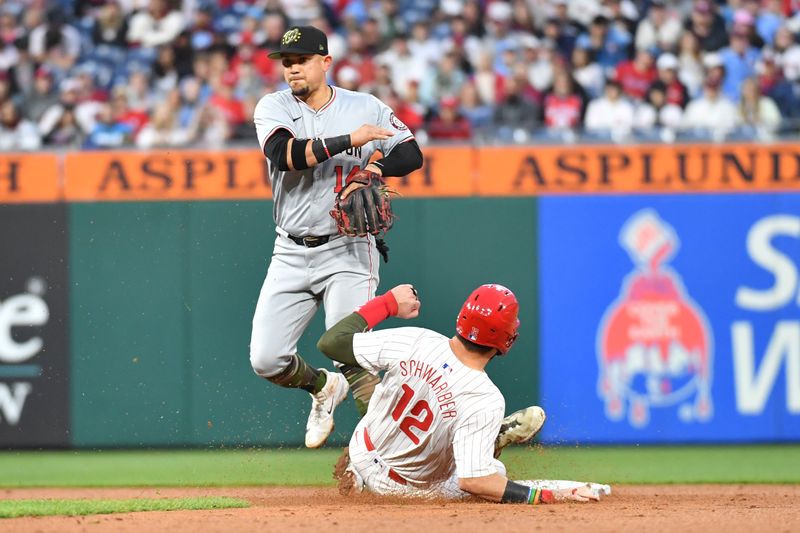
[323,403]
[519,427]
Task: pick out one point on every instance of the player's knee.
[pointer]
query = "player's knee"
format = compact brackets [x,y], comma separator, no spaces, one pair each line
[501,468]
[265,362]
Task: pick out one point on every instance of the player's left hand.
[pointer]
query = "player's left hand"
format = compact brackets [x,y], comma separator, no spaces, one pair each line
[359,180]
[408,303]
[364,206]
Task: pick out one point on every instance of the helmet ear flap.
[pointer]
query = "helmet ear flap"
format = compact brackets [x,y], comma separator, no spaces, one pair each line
[512,340]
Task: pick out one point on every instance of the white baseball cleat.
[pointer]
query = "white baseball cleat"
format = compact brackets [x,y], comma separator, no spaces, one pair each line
[519,427]
[323,404]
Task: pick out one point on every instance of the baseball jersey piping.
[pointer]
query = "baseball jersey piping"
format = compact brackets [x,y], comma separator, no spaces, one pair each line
[324,107]
[272,132]
[333,97]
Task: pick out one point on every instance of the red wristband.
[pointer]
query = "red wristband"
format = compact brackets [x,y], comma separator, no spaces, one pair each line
[547,496]
[378,309]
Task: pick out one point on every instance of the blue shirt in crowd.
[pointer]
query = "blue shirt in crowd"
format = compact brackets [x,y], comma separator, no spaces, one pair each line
[615,47]
[109,135]
[737,69]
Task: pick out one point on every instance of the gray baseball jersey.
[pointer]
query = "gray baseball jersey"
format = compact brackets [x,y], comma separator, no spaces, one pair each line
[303,199]
[431,417]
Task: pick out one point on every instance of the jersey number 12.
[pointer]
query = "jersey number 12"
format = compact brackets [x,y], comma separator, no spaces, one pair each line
[420,415]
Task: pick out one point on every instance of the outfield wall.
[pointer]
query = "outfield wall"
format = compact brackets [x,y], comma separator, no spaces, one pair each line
[664,315]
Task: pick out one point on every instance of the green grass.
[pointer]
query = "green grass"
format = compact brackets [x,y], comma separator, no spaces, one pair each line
[651,465]
[16,508]
[689,464]
[178,468]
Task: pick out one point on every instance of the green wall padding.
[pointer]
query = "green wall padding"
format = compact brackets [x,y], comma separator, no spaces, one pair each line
[162,296]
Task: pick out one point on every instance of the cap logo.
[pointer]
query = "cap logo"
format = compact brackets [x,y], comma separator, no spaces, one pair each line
[291,36]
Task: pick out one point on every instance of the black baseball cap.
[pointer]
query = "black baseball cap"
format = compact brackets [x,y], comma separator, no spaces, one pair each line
[302,40]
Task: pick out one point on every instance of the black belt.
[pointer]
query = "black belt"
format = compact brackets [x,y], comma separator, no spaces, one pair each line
[311,241]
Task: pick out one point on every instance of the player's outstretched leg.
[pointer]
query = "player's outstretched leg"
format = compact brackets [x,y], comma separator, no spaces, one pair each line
[519,427]
[323,404]
[327,390]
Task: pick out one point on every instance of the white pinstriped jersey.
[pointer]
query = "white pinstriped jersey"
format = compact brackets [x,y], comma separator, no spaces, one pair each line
[304,198]
[431,415]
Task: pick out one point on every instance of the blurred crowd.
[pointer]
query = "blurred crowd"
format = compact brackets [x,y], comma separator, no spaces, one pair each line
[97,74]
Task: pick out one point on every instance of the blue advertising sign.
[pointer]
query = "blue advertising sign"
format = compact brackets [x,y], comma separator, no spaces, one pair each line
[670,318]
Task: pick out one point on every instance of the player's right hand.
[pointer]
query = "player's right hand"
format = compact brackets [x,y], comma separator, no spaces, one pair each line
[407,302]
[367,133]
[579,494]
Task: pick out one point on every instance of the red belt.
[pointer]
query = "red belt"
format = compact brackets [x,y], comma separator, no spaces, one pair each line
[392,474]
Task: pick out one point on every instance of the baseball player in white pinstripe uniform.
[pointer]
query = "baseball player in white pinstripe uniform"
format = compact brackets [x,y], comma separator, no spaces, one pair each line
[435,423]
[319,140]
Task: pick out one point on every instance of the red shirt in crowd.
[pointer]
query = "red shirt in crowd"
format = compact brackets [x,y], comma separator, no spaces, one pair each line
[232,109]
[259,58]
[676,93]
[635,82]
[136,119]
[457,130]
[562,111]
[363,64]
[409,116]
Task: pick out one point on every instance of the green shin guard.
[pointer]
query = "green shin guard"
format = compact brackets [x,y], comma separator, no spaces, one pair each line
[299,375]
[362,385]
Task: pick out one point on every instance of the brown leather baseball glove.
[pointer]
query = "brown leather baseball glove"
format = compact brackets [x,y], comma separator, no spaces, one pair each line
[364,206]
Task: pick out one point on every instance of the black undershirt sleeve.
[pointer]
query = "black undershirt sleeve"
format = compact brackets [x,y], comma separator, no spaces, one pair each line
[277,145]
[275,149]
[404,159]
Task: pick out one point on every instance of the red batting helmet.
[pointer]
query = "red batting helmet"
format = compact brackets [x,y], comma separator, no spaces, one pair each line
[489,317]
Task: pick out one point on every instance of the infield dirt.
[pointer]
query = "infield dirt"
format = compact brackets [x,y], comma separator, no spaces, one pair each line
[707,508]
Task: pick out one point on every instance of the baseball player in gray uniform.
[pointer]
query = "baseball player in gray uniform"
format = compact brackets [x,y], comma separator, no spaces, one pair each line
[318,140]
[435,423]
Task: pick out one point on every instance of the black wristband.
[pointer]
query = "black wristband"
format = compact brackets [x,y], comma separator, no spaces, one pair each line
[337,145]
[516,493]
[319,150]
[299,161]
[326,148]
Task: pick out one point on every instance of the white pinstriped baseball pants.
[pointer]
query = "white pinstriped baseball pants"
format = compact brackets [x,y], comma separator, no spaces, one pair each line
[341,275]
[374,474]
